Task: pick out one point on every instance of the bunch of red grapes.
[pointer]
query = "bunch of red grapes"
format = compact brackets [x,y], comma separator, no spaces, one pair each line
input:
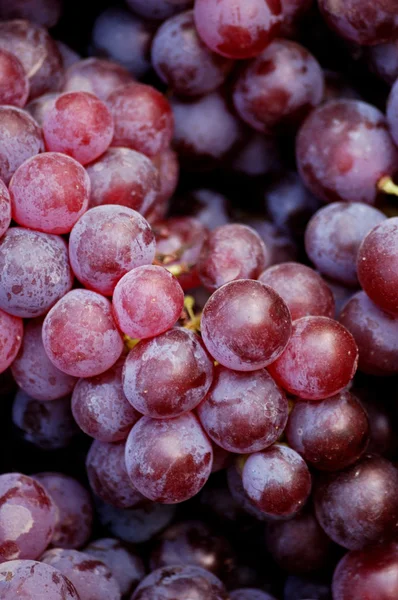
[199,300]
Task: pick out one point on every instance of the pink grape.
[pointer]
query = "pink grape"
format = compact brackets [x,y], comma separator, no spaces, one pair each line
[147,302]
[126,177]
[96,76]
[245,325]
[79,125]
[34,372]
[34,272]
[27,517]
[168,375]
[73,526]
[39,107]
[20,138]
[5,208]
[243,412]
[11,334]
[237,30]
[143,119]
[34,580]
[49,192]
[14,84]
[319,361]
[108,476]
[168,460]
[169,169]
[106,243]
[303,290]
[100,407]
[80,336]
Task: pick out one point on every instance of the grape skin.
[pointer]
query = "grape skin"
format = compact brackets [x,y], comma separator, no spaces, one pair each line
[14,84]
[11,334]
[34,580]
[96,76]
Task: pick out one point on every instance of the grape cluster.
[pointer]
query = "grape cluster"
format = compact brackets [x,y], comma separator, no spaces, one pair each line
[199,300]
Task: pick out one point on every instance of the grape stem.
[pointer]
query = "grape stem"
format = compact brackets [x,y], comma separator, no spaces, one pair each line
[387,186]
[129,342]
[190,319]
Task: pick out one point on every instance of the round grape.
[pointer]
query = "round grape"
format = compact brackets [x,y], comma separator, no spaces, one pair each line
[34,580]
[14,84]
[168,460]
[43,12]
[5,208]
[147,302]
[319,361]
[96,76]
[245,325]
[69,56]
[11,334]
[79,125]
[39,107]
[80,336]
[169,169]
[250,594]
[383,60]
[157,9]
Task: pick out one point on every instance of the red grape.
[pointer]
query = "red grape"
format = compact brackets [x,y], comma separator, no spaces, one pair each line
[378,265]
[126,177]
[80,125]
[362,21]
[231,252]
[38,53]
[245,325]
[330,435]
[11,333]
[46,425]
[157,9]
[92,579]
[277,481]
[182,60]
[180,582]
[237,30]
[147,302]
[34,580]
[243,412]
[80,336]
[375,333]
[298,545]
[34,372]
[39,107]
[168,166]
[5,208]
[20,138]
[74,510]
[124,38]
[343,149]
[100,407]
[27,517]
[168,375]
[359,506]
[143,118]
[96,76]
[49,192]
[168,460]
[221,458]
[279,87]
[319,361]
[127,568]
[367,574]
[14,84]
[108,477]
[303,290]
[106,243]
[43,12]
[34,272]
[238,493]
[333,237]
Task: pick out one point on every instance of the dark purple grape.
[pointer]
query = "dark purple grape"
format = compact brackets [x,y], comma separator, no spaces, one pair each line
[157,9]
[343,149]
[298,588]
[375,333]
[43,12]
[334,235]
[298,545]
[378,265]
[279,87]
[238,494]
[245,325]
[362,21]
[193,543]
[293,12]
[303,290]
[27,518]
[259,155]
[34,581]
[330,435]
[277,481]
[280,246]
[383,60]
[180,583]
[381,418]
[168,460]
[207,206]
[359,506]
[367,574]
[127,568]
[243,412]
[74,511]
[250,594]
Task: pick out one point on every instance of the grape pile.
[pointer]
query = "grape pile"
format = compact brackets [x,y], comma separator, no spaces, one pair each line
[199,300]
